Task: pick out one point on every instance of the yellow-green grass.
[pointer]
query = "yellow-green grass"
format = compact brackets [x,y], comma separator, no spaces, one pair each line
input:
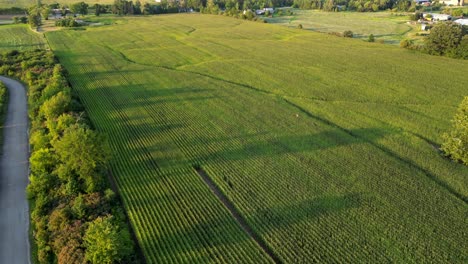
[19,37]
[28,3]
[327,146]
[388,26]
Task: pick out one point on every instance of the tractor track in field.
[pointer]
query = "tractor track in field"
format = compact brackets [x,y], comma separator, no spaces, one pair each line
[237,215]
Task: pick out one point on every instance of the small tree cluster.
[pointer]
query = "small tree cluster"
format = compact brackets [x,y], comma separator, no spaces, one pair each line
[348,34]
[67,22]
[448,39]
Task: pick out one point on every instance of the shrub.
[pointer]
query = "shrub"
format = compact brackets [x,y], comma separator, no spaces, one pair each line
[299,26]
[455,143]
[348,34]
[416,16]
[371,38]
[406,44]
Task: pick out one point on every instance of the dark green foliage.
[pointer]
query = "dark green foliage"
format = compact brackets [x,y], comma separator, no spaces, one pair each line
[446,39]
[416,16]
[67,22]
[68,187]
[456,141]
[348,34]
[13,11]
[371,38]
[79,8]
[20,20]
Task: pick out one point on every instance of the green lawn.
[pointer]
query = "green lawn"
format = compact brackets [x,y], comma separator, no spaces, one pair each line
[391,27]
[327,146]
[19,37]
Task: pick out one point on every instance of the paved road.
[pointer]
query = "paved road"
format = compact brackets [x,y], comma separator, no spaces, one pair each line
[14,166]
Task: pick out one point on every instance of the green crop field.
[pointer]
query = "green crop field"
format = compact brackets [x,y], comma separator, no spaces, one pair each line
[327,147]
[19,37]
[390,27]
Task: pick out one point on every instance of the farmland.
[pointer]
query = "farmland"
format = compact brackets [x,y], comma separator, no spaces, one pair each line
[19,37]
[326,147]
[390,27]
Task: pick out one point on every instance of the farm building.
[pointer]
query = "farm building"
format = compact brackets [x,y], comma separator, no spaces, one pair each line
[422,2]
[264,10]
[452,2]
[463,22]
[439,17]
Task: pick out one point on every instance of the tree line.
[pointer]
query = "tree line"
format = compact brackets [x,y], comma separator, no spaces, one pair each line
[75,216]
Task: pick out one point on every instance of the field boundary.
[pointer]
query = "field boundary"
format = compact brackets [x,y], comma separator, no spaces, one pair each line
[237,215]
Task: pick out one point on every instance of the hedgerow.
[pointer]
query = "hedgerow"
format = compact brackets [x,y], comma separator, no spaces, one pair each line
[69,189]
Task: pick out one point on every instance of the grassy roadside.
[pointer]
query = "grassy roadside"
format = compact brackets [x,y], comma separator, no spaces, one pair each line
[3,108]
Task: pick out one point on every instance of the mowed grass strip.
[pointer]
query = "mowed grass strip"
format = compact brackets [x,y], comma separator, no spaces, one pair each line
[388,26]
[19,37]
[327,146]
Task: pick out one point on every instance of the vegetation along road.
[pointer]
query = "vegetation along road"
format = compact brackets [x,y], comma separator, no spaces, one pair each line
[14,178]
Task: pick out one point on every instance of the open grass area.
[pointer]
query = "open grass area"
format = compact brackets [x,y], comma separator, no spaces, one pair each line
[326,146]
[391,27]
[19,37]
[28,3]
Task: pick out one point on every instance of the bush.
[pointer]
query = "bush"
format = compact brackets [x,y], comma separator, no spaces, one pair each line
[20,20]
[457,12]
[299,26]
[406,44]
[444,38]
[455,143]
[67,22]
[348,34]
[371,38]
[416,16]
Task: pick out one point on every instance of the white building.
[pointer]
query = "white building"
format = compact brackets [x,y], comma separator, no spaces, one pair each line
[452,2]
[463,22]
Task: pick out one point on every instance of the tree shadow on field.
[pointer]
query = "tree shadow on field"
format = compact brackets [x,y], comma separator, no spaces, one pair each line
[219,233]
[251,146]
[284,216]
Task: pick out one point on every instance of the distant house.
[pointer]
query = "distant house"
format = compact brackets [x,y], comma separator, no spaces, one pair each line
[264,10]
[439,17]
[463,22]
[422,2]
[452,2]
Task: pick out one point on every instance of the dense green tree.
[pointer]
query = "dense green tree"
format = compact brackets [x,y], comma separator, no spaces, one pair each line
[98,9]
[82,152]
[56,105]
[79,8]
[34,16]
[444,38]
[456,141]
[137,8]
[105,243]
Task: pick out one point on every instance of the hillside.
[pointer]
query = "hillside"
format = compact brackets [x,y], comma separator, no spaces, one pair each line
[326,147]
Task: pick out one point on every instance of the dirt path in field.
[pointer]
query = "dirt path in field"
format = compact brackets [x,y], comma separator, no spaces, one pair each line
[14,168]
[237,216]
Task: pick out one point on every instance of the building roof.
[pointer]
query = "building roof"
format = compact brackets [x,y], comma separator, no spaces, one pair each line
[462,21]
